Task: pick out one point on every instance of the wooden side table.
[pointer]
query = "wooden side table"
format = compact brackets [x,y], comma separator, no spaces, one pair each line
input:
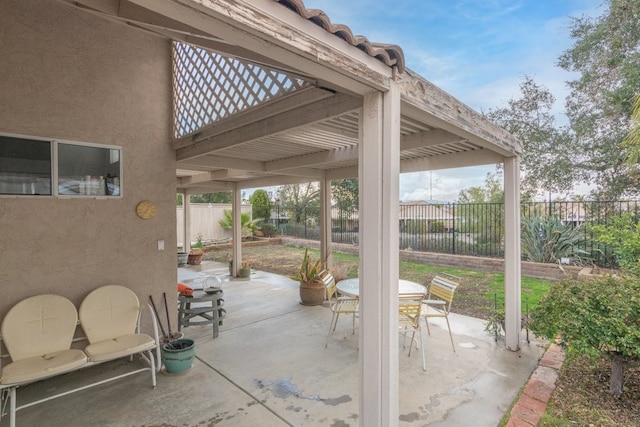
[201,309]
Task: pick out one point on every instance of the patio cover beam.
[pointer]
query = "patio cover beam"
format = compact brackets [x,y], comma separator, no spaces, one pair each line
[425,102]
[444,161]
[281,105]
[305,115]
[273,31]
[288,166]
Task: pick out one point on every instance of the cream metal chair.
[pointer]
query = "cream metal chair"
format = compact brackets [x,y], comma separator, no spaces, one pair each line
[409,320]
[110,317]
[440,294]
[37,333]
[339,305]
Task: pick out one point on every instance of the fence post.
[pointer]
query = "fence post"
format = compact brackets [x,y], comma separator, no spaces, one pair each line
[453,229]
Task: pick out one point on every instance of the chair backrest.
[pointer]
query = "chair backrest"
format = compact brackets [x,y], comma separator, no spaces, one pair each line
[109,312]
[442,288]
[329,284]
[409,309]
[39,325]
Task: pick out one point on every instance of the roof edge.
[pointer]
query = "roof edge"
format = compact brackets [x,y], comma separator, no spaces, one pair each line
[389,54]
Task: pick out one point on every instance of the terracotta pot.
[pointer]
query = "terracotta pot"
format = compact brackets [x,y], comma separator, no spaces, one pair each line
[311,293]
[194,259]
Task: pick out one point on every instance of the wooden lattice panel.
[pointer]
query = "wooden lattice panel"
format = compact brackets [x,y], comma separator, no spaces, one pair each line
[208,87]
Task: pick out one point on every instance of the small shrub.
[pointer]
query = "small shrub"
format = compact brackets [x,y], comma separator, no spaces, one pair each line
[268,230]
[596,318]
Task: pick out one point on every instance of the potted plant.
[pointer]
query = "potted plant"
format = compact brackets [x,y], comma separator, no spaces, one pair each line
[182,258]
[310,277]
[195,256]
[196,252]
[245,269]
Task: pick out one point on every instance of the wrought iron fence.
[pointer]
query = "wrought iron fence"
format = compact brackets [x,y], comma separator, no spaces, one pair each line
[475,229]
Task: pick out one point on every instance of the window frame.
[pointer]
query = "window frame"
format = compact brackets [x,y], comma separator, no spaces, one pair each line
[54,168]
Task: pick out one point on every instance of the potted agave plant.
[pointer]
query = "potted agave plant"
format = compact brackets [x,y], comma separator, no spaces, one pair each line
[310,277]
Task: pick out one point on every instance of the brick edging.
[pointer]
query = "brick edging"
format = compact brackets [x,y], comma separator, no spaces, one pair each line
[535,396]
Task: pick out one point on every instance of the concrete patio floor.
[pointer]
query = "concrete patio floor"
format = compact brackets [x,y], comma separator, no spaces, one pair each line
[269,367]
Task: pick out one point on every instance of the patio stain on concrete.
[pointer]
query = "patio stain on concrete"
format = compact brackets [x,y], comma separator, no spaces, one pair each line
[283,388]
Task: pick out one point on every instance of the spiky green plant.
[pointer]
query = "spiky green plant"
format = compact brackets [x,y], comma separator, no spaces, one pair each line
[309,271]
[547,240]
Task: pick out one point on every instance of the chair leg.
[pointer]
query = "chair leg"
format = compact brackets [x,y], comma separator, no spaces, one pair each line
[413,336]
[424,364]
[426,322]
[332,328]
[450,335]
[353,323]
[12,407]
[153,367]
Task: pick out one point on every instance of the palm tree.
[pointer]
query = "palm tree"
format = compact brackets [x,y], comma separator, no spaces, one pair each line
[633,139]
[248,226]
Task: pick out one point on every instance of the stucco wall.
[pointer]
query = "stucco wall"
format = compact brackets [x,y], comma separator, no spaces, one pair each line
[71,75]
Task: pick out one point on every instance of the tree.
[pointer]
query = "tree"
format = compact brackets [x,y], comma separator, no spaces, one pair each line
[599,318]
[606,54]
[297,198]
[220,197]
[546,149]
[492,191]
[345,193]
[484,205]
[260,204]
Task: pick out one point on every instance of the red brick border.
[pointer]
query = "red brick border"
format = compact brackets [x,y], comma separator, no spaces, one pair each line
[536,394]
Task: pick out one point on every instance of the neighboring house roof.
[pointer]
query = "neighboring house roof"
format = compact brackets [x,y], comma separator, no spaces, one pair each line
[425,210]
[406,211]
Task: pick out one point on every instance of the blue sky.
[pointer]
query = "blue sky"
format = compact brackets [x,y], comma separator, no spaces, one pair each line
[476,50]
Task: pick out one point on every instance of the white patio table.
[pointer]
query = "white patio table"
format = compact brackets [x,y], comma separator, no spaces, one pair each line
[406,288]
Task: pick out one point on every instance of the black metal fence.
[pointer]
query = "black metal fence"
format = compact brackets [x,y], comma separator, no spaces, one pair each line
[463,229]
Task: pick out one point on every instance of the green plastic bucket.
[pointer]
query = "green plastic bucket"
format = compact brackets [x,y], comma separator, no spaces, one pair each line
[178,355]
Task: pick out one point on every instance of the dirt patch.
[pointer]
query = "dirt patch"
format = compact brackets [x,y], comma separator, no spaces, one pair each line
[582,396]
[470,298]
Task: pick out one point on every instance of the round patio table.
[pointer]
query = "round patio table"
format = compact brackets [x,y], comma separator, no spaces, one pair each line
[406,288]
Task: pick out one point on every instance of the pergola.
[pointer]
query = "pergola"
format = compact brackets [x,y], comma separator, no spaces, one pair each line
[268,92]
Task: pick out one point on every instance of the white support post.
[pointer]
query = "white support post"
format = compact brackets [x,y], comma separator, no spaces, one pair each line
[379,168]
[512,262]
[325,222]
[186,223]
[236,208]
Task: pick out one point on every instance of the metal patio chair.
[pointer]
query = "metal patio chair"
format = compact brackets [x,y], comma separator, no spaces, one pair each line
[339,305]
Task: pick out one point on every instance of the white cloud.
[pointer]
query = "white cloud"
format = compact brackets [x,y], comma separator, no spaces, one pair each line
[442,185]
